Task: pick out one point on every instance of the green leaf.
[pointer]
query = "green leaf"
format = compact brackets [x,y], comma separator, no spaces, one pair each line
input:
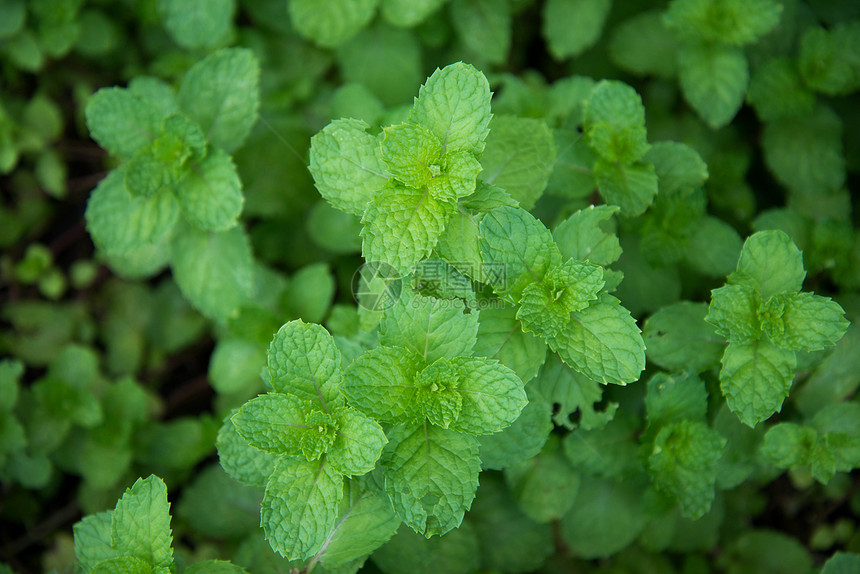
[484,27]
[545,486]
[501,337]
[679,167]
[644,46]
[570,28]
[587,235]
[835,378]
[123,565]
[121,121]
[330,23]
[608,452]
[408,13]
[299,507]
[714,80]
[213,270]
[120,223]
[672,398]
[770,263]
[605,518]
[282,425]
[838,425]
[214,567]
[522,440]
[805,154]
[571,175]
[240,460]
[769,551]
[431,475]
[755,379]
[678,337]
[215,505]
[519,157]
[828,59]
[842,563]
[92,539]
[517,249]
[614,122]
[303,361]
[573,396]
[789,445]
[196,26]
[358,444]
[683,464]
[211,193]
[140,524]
[454,104]
[402,226]
[631,187]
[492,396]
[412,154]
[734,311]
[456,553]
[432,328]
[346,164]
[221,94]
[380,383]
[732,22]
[805,322]
[603,343]
[714,247]
[776,91]
[11,371]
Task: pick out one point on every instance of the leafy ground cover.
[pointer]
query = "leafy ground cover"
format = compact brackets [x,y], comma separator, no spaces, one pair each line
[405,286]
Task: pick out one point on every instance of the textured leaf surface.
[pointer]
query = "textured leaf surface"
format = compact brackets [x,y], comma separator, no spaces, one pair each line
[358,444]
[501,337]
[714,80]
[770,263]
[211,194]
[587,235]
[678,166]
[522,440]
[122,122]
[196,25]
[304,361]
[240,460]
[330,23]
[614,122]
[733,22]
[808,322]
[140,523]
[221,94]
[756,378]
[573,396]
[631,187]
[431,475]
[734,312]
[299,507]
[380,383]
[492,396]
[281,424]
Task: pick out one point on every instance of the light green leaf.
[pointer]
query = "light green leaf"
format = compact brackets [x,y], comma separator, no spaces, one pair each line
[519,157]
[644,46]
[770,263]
[776,91]
[805,322]
[121,121]
[789,445]
[523,439]
[683,464]
[347,166]
[211,193]
[299,508]
[587,235]
[672,398]
[679,167]
[484,27]
[213,270]
[432,328]
[431,475]
[500,336]
[240,460]
[283,425]
[124,565]
[402,226]
[195,26]
[454,104]
[631,187]
[412,154]
[570,28]
[572,395]
[734,312]
[517,249]
[732,22]
[544,486]
[120,223]
[828,59]
[140,524]
[304,361]
[358,444]
[714,80]
[608,452]
[756,378]
[221,94]
[571,175]
[805,154]
[713,247]
[614,122]
[92,539]
[603,343]
[842,563]
[330,23]
[492,395]
[408,13]
[678,337]
[380,383]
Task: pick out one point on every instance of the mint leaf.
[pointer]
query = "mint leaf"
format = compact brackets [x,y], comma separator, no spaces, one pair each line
[678,337]
[523,439]
[484,26]
[140,524]
[213,270]
[841,563]
[518,247]
[614,122]
[331,22]
[121,121]
[519,157]
[380,383]
[644,46]
[402,225]
[631,187]
[804,322]
[755,379]
[196,26]
[303,361]
[408,13]
[431,475]
[573,396]
[214,567]
[714,80]
[732,22]
[457,552]
[221,94]
[679,167]
[454,104]
[714,247]
[544,486]
[492,396]
[346,164]
[500,336]
[432,328]
[770,263]
[299,507]
[570,28]
[672,398]
[586,235]
[240,460]
[609,452]
[92,539]
[828,58]
[789,445]
[603,343]
[776,91]
[358,444]
[211,193]
[571,175]
[123,565]
[120,224]
[734,311]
